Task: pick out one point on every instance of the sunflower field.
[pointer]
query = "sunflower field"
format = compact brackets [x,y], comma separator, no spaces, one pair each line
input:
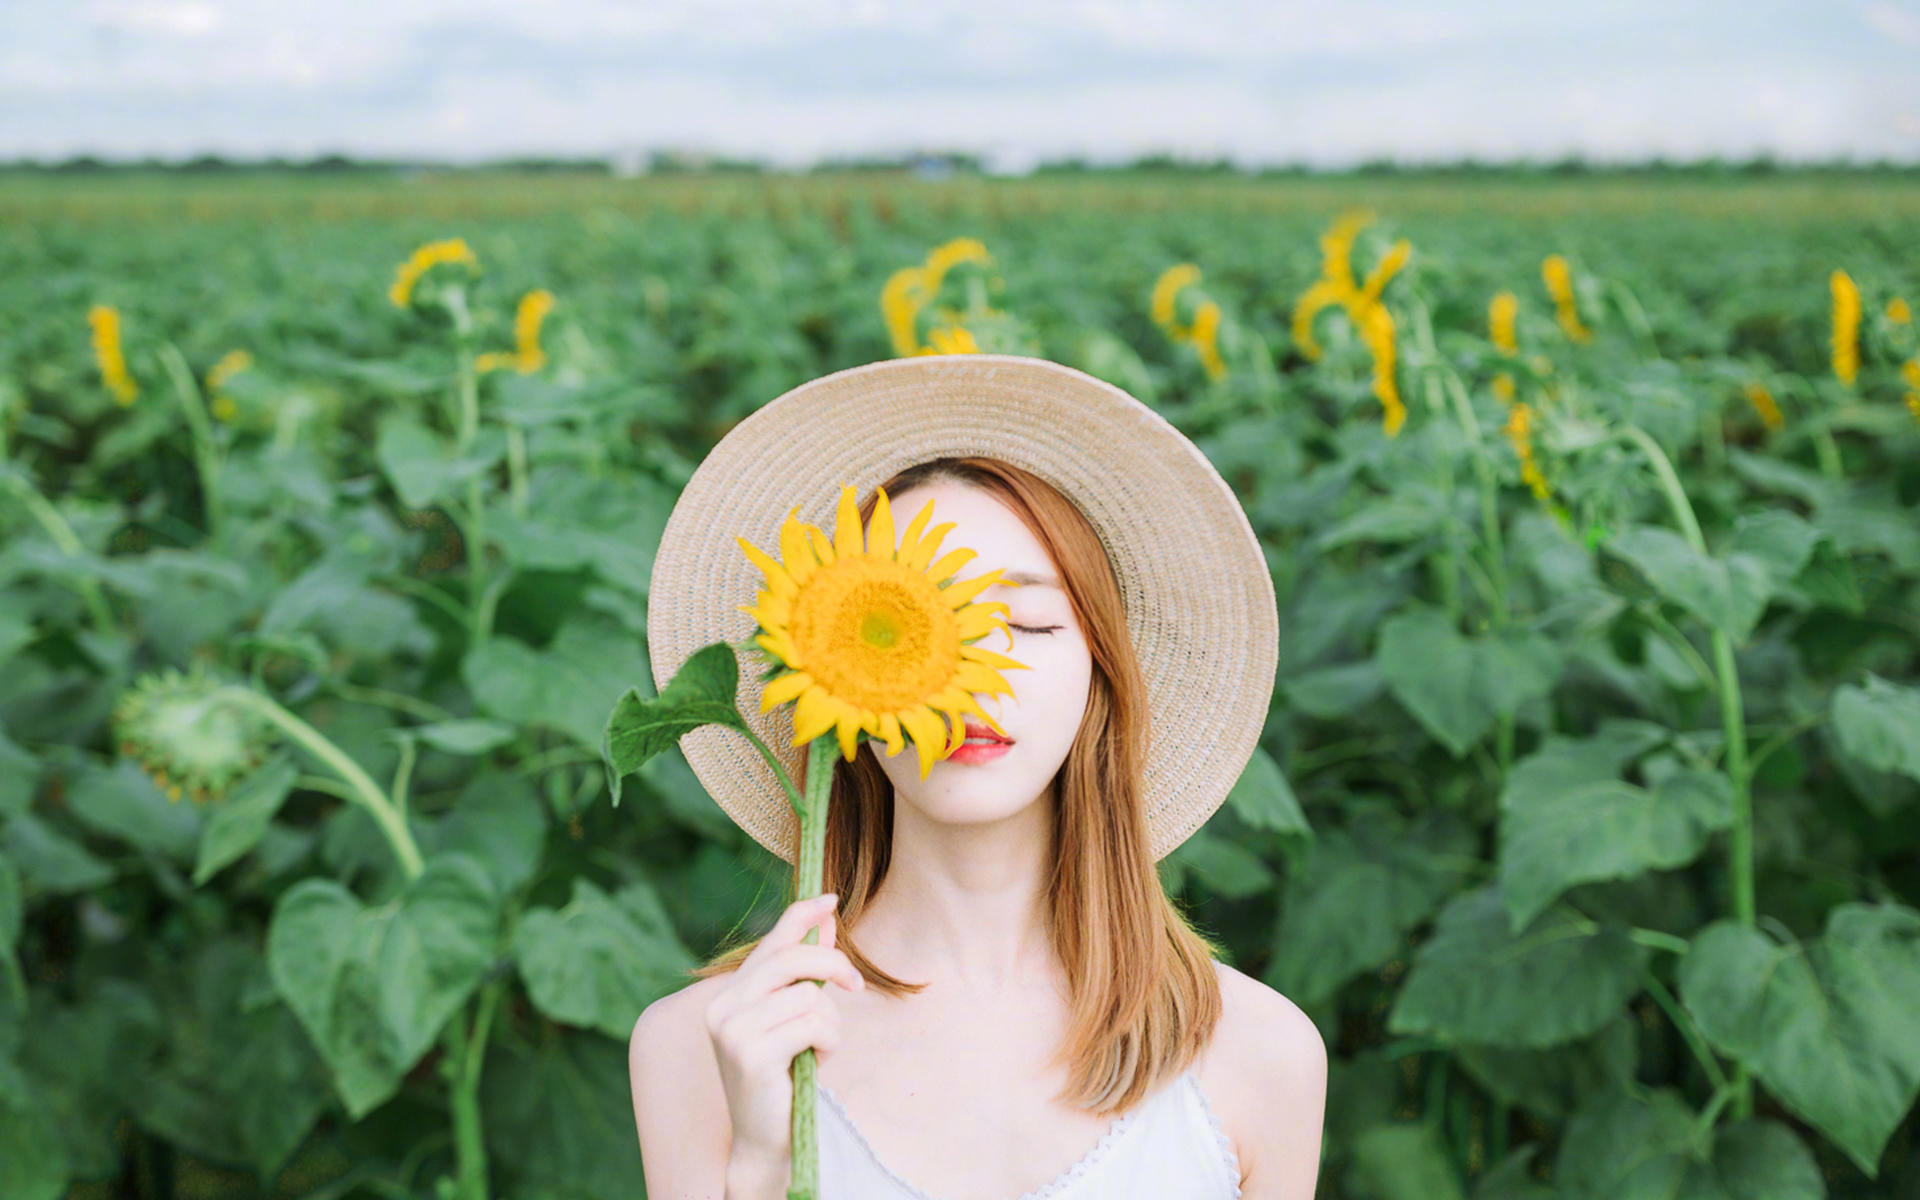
[1586,822]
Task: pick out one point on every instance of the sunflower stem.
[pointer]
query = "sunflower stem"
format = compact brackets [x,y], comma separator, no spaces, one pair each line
[809,867]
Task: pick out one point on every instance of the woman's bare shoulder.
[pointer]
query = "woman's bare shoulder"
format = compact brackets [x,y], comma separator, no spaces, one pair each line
[1272,1084]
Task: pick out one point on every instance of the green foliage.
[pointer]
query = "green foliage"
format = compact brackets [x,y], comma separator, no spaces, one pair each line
[1585,825]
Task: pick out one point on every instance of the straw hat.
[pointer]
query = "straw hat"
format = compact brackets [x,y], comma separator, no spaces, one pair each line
[1198,597]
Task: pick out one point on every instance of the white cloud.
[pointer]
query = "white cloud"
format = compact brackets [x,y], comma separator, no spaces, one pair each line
[1900,24]
[1276,81]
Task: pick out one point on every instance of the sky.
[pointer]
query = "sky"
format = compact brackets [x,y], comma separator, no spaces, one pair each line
[1259,82]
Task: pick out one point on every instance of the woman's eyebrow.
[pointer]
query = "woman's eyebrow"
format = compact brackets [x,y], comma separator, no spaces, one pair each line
[1028,578]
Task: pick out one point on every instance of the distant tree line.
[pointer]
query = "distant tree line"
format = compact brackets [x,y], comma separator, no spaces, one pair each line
[947,163]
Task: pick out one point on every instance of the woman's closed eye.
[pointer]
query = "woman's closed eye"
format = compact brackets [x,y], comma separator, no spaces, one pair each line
[1034,629]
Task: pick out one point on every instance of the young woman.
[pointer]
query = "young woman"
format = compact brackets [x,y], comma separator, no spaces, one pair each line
[1015,1009]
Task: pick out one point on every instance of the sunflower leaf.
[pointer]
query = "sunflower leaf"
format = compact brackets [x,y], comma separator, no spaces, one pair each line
[700,693]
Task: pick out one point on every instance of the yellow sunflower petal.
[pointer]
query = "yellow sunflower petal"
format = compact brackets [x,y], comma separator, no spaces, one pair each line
[880,531]
[813,715]
[822,548]
[981,654]
[847,534]
[783,689]
[890,732]
[979,677]
[911,538]
[928,546]
[848,728]
[781,647]
[794,548]
[979,620]
[957,594]
[777,578]
[950,562]
[929,739]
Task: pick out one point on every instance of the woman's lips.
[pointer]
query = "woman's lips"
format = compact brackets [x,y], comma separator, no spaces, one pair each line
[980,752]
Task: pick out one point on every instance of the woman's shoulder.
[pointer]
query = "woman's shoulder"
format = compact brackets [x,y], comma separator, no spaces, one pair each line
[1267,1077]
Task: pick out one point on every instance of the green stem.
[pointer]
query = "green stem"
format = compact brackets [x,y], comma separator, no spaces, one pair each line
[206,455]
[1733,720]
[461,1063]
[517,468]
[809,867]
[1688,1030]
[69,542]
[411,705]
[360,785]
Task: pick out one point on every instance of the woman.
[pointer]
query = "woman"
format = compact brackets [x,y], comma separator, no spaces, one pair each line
[1015,1008]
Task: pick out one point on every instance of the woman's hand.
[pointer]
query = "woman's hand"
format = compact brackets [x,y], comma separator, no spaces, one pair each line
[771,1010]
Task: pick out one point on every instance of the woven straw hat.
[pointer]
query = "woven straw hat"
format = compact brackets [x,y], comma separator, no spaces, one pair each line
[1198,597]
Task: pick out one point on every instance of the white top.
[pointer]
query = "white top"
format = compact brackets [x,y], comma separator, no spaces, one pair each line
[1169,1147]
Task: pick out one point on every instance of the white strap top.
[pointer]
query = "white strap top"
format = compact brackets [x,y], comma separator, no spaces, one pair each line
[1170,1146]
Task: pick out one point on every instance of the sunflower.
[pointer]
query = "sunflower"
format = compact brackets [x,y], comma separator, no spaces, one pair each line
[876,639]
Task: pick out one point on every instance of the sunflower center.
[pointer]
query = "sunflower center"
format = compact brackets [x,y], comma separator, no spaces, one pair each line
[876,634]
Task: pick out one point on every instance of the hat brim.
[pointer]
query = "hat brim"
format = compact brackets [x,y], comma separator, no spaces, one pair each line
[1195,584]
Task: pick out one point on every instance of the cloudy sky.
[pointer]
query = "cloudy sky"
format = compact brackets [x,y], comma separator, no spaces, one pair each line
[1259,81]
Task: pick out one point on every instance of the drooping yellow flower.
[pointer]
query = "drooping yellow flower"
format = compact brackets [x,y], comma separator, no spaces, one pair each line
[1502,315]
[1167,287]
[527,356]
[877,637]
[1910,372]
[1519,431]
[1898,312]
[1362,305]
[430,255]
[950,339]
[1205,334]
[1388,266]
[1763,403]
[534,307]
[1846,326]
[1376,330]
[910,289]
[231,363]
[1559,279]
[105,321]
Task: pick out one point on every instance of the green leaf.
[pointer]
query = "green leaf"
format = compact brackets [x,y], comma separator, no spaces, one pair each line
[701,693]
[122,801]
[1879,725]
[1476,980]
[593,964]
[1566,816]
[1403,1161]
[48,860]
[560,1119]
[237,1080]
[569,685]
[1263,799]
[1457,686]
[32,1166]
[1334,692]
[236,824]
[471,736]
[1727,593]
[374,986]
[1624,1148]
[1830,1025]
[424,468]
[19,775]
[1512,1178]
[1553,1083]
[1226,867]
[1362,887]
[498,819]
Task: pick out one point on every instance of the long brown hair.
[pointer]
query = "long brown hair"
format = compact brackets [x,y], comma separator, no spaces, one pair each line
[1143,996]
